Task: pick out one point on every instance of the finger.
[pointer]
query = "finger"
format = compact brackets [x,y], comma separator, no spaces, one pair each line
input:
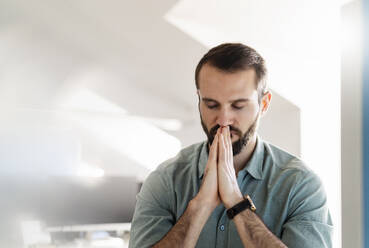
[212,155]
[226,138]
[223,165]
[230,149]
[214,149]
[230,152]
[222,150]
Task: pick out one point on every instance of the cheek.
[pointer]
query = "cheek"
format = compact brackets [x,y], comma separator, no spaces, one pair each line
[206,114]
[252,111]
[247,117]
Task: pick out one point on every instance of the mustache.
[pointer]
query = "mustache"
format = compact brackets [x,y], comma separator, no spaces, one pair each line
[213,130]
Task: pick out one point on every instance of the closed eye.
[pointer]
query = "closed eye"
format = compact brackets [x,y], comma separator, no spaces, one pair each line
[213,106]
[237,107]
[210,103]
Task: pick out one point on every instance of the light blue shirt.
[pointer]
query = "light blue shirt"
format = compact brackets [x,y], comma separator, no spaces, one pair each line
[288,196]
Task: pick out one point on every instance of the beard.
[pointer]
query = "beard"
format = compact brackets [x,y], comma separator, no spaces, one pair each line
[239,144]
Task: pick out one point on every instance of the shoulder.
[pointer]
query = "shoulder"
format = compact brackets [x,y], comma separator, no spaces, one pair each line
[185,159]
[289,171]
[291,176]
[184,162]
[171,172]
[286,162]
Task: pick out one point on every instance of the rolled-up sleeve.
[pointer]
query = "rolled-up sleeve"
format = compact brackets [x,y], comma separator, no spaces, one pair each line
[309,222]
[153,217]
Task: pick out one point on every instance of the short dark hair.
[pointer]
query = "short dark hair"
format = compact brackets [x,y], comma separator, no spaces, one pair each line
[233,57]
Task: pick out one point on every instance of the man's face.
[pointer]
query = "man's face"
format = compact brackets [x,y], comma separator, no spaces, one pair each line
[229,99]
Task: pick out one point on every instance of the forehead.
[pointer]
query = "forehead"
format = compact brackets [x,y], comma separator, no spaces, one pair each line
[214,83]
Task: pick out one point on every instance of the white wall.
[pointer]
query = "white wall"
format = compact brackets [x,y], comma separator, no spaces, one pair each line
[351,127]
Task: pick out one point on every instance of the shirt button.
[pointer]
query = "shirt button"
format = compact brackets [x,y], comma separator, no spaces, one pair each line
[222,227]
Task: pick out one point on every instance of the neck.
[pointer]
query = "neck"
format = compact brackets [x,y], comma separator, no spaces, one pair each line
[241,159]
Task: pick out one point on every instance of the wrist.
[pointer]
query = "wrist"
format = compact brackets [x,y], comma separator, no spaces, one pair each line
[199,210]
[240,217]
[201,207]
[246,205]
[237,198]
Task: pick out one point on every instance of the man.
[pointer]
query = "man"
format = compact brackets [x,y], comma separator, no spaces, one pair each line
[206,196]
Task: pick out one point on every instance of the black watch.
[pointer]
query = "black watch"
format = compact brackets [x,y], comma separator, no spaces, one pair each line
[239,207]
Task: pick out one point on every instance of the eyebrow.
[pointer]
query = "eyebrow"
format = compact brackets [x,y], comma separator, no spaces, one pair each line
[206,99]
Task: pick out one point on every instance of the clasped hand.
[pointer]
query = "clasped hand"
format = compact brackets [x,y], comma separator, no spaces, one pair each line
[219,182]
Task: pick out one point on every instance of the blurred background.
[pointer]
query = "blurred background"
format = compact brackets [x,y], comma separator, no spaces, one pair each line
[94,95]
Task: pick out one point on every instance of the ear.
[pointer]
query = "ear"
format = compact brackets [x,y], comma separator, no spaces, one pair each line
[265,102]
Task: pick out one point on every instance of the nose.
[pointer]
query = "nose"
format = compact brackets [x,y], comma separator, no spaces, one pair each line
[225,117]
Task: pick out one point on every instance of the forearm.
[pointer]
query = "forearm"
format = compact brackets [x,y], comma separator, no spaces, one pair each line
[253,231]
[186,231]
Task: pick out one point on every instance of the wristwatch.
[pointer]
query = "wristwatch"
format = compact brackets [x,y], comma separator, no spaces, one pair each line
[239,207]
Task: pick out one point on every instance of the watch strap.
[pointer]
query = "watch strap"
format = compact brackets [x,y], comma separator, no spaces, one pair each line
[241,206]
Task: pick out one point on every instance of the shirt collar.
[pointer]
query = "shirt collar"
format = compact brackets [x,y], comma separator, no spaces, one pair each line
[254,166]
